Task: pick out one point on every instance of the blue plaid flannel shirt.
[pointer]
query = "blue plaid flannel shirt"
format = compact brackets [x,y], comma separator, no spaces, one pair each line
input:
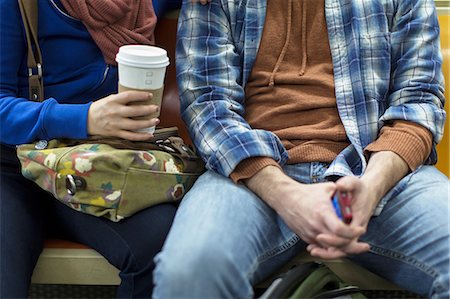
[387,66]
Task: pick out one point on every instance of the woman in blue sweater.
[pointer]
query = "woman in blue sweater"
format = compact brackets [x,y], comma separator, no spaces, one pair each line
[80,78]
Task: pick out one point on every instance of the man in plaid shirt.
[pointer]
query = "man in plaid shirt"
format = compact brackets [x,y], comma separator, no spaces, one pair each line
[290,102]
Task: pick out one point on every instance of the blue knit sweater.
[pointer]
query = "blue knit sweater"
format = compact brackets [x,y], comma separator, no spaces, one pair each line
[75,74]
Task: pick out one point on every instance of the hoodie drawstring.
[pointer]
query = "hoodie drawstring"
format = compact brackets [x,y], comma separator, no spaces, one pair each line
[304,48]
[304,55]
[285,47]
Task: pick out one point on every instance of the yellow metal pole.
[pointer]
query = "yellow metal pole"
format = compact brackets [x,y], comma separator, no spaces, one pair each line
[443,147]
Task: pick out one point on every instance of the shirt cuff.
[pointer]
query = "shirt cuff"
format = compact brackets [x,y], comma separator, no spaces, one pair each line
[249,167]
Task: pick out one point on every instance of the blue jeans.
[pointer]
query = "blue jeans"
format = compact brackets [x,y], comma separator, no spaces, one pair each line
[28,215]
[224,239]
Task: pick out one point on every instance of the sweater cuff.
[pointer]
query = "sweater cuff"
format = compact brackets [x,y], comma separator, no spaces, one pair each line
[410,141]
[67,120]
[249,167]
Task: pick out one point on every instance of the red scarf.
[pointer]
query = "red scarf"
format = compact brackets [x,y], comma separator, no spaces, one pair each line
[113,23]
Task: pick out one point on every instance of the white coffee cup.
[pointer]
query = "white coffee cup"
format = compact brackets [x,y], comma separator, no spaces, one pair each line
[143,67]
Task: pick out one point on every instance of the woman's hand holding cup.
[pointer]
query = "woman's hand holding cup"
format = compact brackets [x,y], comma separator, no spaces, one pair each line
[132,113]
[121,115]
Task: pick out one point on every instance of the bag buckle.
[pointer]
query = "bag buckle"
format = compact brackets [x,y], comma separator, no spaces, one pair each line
[176,145]
[35,71]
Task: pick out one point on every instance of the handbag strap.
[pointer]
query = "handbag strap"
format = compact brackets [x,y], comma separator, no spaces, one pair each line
[29,12]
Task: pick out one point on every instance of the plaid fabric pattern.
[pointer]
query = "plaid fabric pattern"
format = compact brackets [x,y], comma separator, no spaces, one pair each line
[387,66]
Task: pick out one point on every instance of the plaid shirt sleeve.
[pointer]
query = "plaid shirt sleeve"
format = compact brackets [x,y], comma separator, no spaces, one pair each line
[209,75]
[417,82]
[387,67]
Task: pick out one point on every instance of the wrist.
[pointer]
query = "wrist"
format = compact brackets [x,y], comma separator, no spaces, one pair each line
[383,171]
[264,180]
[374,191]
[272,185]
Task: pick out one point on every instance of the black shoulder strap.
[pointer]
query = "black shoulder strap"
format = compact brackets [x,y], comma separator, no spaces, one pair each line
[29,12]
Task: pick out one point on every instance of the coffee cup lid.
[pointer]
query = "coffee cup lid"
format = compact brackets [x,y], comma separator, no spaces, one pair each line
[142,56]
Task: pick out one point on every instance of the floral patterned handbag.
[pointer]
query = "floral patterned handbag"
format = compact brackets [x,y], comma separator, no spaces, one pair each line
[111,177]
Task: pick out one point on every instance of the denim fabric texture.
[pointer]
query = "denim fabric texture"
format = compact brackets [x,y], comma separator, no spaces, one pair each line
[225,239]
